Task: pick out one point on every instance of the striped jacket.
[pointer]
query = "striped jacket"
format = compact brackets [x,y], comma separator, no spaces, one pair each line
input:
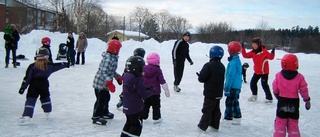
[106,71]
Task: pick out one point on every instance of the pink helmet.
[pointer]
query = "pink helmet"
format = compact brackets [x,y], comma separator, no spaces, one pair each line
[153,58]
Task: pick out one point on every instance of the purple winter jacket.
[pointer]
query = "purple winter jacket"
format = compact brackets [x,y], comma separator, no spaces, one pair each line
[153,77]
[134,92]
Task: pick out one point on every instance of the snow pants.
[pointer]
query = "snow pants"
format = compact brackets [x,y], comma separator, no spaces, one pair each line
[154,102]
[38,87]
[287,118]
[101,106]
[264,82]
[133,125]
[284,125]
[232,105]
[178,72]
[211,114]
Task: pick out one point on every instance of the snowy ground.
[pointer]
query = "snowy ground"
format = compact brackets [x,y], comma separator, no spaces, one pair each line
[73,97]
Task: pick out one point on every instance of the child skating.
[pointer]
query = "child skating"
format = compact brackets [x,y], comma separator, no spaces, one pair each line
[287,86]
[232,87]
[153,77]
[134,93]
[137,52]
[36,80]
[103,82]
[212,75]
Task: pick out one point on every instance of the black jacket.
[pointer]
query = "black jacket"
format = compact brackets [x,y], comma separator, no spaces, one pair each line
[70,43]
[212,75]
[12,40]
[180,51]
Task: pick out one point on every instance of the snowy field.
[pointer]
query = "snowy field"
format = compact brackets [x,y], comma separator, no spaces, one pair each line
[72,95]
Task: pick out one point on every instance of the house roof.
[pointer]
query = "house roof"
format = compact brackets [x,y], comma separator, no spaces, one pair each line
[130,33]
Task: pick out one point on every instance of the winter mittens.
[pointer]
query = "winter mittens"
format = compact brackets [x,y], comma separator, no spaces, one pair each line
[166,89]
[308,104]
[119,80]
[111,86]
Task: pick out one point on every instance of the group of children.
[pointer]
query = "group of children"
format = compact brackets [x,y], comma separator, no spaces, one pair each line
[286,86]
[142,85]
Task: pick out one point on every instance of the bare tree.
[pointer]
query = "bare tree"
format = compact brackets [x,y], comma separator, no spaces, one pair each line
[139,16]
[178,25]
[263,27]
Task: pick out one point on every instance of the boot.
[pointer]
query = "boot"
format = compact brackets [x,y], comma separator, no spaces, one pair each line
[253,98]
[108,116]
[14,65]
[6,66]
[176,88]
[23,120]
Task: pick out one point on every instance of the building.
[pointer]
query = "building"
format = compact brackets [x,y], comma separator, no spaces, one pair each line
[124,35]
[27,16]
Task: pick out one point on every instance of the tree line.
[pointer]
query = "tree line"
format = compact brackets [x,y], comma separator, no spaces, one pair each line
[89,17]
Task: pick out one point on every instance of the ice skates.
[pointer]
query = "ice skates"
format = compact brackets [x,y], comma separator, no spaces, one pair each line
[23,120]
[236,121]
[176,88]
[99,120]
[267,101]
[253,98]
[108,116]
[157,121]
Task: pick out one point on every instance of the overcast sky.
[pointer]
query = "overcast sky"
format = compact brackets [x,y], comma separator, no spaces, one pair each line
[241,14]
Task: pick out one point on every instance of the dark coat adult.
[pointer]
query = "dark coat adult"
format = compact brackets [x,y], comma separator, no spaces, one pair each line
[212,75]
[70,43]
[180,52]
[12,40]
[134,92]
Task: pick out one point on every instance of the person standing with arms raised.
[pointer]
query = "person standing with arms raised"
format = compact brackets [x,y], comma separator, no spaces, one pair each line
[180,53]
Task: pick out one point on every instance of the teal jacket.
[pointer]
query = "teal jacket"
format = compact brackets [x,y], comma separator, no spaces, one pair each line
[233,74]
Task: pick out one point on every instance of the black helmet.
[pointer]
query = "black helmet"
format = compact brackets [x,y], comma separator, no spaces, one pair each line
[42,53]
[187,33]
[135,64]
[139,52]
[245,65]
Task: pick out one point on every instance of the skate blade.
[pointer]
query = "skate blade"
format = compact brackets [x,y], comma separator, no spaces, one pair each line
[99,123]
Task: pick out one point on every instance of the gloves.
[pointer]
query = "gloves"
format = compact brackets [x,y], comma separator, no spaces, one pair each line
[308,104]
[111,86]
[242,44]
[272,51]
[227,93]
[198,74]
[119,80]
[21,91]
[166,89]
[191,62]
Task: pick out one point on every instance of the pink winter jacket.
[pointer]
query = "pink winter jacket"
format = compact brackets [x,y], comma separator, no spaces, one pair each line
[290,88]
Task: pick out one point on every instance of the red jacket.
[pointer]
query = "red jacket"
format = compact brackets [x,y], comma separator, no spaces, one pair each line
[260,60]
